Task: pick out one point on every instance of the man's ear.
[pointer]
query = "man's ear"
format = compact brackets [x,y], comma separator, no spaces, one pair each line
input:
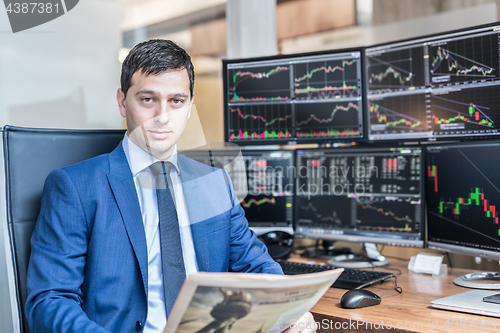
[191,105]
[120,98]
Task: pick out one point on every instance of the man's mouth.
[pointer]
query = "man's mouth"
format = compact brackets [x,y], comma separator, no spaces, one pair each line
[160,135]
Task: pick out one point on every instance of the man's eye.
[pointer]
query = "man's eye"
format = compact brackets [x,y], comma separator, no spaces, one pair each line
[177,101]
[147,99]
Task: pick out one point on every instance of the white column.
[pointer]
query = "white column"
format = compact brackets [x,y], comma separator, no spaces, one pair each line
[251,28]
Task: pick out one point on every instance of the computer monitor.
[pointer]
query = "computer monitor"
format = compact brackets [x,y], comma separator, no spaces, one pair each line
[263,181]
[463,198]
[444,86]
[362,194]
[301,98]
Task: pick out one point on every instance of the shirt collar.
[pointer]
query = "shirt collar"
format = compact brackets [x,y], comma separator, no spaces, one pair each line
[138,159]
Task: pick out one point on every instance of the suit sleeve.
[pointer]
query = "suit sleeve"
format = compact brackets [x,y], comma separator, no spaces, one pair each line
[247,252]
[57,262]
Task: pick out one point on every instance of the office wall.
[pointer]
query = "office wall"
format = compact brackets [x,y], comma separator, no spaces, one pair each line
[209,102]
[374,34]
[61,74]
[387,11]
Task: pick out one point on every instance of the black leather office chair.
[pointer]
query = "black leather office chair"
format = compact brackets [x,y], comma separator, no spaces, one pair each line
[30,155]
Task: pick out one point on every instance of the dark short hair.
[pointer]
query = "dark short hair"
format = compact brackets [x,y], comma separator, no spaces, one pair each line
[154,57]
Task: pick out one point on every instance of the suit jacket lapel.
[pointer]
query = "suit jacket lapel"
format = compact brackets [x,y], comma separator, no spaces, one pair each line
[121,181]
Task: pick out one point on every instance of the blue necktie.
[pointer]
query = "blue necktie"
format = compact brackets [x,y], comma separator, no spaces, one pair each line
[174,272]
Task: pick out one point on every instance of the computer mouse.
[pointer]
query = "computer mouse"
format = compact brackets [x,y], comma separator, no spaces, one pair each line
[359,298]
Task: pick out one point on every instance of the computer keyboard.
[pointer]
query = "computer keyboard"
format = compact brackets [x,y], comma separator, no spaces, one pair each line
[349,279]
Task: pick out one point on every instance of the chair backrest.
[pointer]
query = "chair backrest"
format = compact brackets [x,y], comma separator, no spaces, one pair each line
[30,155]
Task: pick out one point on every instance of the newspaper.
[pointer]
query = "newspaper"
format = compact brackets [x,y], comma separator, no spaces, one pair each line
[246,302]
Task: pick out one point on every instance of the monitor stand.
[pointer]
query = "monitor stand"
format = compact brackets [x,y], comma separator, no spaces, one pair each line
[371,258]
[479,280]
[325,250]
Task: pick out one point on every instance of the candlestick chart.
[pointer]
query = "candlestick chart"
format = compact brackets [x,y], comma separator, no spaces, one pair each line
[304,98]
[265,208]
[402,114]
[396,70]
[324,211]
[387,213]
[466,60]
[261,180]
[327,79]
[464,193]
[256,202]
[259,84]
[360,192]
[333,119]
[260,121]
[474,109]
[270,188]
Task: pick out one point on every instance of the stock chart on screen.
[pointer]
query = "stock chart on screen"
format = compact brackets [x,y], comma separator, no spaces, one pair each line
[361,194]
[262,180]
[435,87]
[307,98]
[463,195]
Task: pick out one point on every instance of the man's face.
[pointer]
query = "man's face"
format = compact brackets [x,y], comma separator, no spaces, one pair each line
[157,108]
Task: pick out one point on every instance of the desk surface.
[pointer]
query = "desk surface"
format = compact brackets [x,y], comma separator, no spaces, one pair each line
[408,312]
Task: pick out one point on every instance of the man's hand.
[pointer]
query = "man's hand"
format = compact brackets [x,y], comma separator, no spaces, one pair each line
[304,324]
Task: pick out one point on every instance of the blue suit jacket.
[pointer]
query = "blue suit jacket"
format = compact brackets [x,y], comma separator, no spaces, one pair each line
[88,266]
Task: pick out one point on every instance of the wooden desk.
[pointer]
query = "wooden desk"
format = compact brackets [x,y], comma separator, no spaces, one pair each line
[407,312]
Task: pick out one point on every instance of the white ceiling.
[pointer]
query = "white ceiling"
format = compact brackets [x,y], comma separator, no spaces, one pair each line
[139,13]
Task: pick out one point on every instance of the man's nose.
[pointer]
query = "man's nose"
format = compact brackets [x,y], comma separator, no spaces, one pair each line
[162,113]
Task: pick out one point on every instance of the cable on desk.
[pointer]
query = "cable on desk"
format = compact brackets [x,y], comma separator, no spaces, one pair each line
[397,288]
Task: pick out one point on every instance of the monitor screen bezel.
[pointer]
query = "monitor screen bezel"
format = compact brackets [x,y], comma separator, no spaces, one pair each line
[293,141]
[360,238]
[464,250]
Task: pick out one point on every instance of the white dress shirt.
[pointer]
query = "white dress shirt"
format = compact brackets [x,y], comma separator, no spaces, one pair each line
[139,162]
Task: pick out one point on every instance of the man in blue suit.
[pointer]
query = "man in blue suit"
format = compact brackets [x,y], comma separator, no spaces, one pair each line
[96,260]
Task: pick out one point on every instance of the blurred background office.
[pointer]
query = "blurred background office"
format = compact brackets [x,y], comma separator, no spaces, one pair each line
[64,74]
